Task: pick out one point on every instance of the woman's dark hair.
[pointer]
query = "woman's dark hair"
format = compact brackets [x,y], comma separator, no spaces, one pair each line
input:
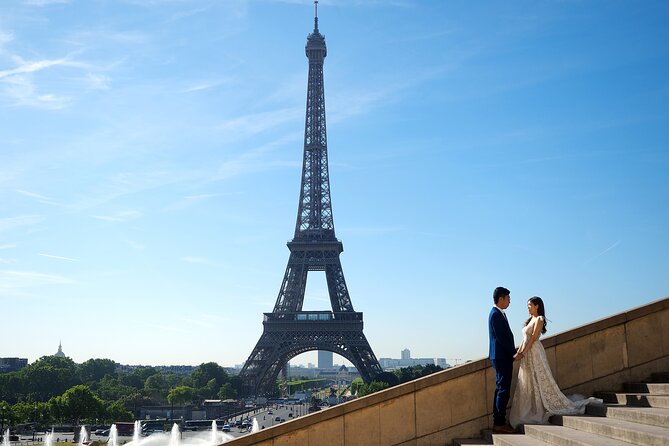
[536,300]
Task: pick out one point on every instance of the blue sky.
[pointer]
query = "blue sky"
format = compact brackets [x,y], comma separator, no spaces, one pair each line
[150,158]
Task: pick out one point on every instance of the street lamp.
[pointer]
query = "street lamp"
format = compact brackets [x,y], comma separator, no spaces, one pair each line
[35,422]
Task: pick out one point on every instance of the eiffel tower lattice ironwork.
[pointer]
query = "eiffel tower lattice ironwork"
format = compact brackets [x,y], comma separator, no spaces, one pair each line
[287,330]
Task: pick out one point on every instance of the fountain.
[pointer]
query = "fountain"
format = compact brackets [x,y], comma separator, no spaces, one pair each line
[113,436]
[174,435]
[256,426]
[137,431]
[172,438]
[214,432]
[5,439]
[83,436]
[48,438]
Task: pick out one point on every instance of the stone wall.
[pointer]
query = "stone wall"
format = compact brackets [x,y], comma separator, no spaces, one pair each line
[457,403]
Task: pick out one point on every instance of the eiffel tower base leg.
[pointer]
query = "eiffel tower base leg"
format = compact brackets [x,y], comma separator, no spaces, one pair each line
[287,335]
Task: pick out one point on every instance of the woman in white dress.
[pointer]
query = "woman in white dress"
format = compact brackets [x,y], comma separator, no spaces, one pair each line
[537,395]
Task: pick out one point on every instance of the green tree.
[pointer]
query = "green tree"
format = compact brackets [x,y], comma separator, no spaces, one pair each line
[227,391]
[181,395]
[110,389]
[138,377]
[80,403]
[57,409]
[32,412]
[206,372]
[116,411]
[93,370]
[374,386]
[356,384]
[7,414]
[210,390]
[12,386]
[48,376]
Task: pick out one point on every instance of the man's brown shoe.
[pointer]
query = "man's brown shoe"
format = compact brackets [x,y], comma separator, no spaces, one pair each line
[506,429]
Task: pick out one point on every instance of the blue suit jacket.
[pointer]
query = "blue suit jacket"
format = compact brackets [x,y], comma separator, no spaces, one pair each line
[502,346]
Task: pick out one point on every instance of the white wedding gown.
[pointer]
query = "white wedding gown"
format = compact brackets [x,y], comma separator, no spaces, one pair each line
[537,395]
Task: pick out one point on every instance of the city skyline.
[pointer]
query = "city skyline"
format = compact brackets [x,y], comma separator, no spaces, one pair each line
[151,158]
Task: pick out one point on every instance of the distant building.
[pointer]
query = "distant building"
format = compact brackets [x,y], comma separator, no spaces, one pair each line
[407,361]
[325,359]
[335,373]
[60,353]
[12,364]
[165,412]
[176,369]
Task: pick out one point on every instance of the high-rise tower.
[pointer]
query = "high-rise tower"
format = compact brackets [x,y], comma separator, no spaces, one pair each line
[287,330]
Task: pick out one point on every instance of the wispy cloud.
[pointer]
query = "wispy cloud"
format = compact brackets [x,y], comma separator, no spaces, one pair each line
[22,92]
[252,124]
[20,83]
[10,223]
[31,67]
[603,252]
[18,282]
[51,256]
[5,37]
[8,246]
[119,217]
[126,183]
[38,197]
[96,81]
[203,85]
[254,160]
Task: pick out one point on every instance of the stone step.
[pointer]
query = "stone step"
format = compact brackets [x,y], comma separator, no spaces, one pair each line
[654,416]
[653,388]
[517,440]
[635,399]
[565,436]
[635,433]
[470,442]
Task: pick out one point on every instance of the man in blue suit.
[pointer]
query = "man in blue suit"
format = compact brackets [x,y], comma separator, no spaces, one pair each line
[502,354]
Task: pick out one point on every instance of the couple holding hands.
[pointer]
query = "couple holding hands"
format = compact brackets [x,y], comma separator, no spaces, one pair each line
[537,395]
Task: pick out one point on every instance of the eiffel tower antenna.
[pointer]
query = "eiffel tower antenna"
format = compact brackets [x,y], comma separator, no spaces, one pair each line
[288,330]
[316,15]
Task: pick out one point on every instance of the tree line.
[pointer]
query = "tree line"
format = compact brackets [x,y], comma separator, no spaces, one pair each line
[390,379]
[56,390]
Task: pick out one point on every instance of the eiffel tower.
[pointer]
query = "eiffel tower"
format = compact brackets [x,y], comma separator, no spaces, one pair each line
[287,330]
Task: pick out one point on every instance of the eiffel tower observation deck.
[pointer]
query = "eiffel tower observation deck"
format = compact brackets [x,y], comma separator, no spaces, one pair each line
[288,330]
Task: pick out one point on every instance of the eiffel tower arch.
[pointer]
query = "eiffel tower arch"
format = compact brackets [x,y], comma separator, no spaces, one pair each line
[287,330]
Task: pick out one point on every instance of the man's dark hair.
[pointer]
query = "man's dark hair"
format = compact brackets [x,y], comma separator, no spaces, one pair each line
[500,291]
